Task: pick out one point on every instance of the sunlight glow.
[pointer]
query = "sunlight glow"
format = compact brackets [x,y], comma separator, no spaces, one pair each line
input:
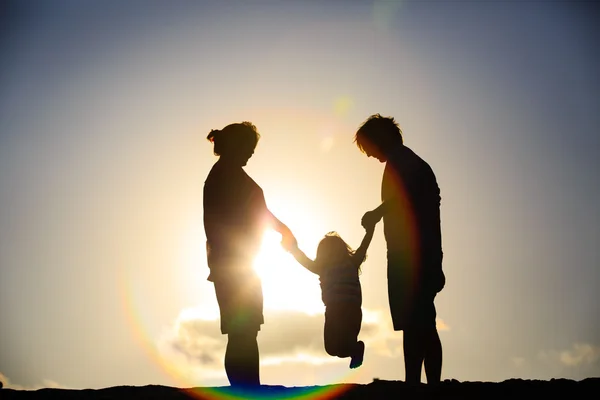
[286,284]
[327,143]
[302,358]
[199,313]
[342,105]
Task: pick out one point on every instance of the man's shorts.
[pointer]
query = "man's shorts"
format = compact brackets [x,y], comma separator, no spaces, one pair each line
[411,302]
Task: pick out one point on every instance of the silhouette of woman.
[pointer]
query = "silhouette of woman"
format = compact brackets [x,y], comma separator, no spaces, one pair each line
[235,218]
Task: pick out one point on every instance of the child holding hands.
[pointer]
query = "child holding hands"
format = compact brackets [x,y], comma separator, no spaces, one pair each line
[338,267]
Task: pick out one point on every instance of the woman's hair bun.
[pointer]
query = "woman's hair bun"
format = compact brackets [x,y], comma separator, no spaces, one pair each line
[212,134]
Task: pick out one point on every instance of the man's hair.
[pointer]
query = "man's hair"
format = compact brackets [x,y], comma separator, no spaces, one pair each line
[378,131]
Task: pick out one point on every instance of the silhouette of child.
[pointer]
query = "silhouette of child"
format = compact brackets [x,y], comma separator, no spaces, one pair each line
[338,267]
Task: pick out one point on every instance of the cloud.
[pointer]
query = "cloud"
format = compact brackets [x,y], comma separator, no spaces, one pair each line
[581,359]
[194,345]
[8,384]
[46,383]
[197,340]
[518,362]
[580,354]
[287,336]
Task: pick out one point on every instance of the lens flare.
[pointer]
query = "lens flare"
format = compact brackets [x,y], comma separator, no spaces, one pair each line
[183,376]
[274,268]
[342,105]
[213,393]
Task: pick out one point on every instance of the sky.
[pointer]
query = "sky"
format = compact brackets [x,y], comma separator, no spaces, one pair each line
[104,111]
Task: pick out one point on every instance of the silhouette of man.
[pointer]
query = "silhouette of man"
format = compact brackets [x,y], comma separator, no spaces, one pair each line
[235,218]
[410,210]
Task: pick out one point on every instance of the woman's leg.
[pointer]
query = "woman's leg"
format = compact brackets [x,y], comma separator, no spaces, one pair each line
[242,359]
[240,304]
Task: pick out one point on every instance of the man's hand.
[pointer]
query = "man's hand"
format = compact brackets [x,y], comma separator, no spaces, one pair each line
[369,228]
[370,219]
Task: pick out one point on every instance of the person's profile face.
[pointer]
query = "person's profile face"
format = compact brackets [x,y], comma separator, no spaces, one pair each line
[247,157]
[373,151]
[243,155]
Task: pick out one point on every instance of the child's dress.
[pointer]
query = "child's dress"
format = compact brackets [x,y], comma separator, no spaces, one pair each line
[342,296]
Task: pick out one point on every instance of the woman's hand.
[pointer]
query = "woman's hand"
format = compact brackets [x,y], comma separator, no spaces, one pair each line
[288,241]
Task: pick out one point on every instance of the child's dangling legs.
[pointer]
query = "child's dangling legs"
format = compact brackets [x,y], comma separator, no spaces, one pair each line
[342,325]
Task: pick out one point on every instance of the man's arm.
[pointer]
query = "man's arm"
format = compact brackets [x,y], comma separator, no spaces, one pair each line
[384,207]
[371,218]
[361,252]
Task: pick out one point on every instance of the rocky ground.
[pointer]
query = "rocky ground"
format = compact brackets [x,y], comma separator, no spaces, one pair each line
[378,389]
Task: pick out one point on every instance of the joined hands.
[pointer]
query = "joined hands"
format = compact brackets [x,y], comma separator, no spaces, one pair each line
[370,219]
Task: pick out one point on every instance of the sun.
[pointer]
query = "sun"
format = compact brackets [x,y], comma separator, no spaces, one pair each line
[286,284]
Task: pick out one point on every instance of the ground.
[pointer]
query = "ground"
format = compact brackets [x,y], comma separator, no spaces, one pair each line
[378,389]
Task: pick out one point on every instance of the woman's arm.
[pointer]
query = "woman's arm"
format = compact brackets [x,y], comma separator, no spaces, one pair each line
[278,225]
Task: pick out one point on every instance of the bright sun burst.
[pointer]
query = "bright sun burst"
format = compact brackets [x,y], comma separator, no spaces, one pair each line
[286,284]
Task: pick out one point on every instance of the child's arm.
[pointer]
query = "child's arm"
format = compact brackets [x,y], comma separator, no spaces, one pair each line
[361,252]
[291,245]
[371,218]
[304,260]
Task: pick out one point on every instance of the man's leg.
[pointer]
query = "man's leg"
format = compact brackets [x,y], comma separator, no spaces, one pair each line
[433,358]
[242,359]
[422,345]
[414,354]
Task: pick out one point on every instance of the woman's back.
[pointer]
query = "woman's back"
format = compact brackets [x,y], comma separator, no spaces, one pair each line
[235,216]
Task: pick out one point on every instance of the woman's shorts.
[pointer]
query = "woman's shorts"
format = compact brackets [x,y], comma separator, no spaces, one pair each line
[240,301]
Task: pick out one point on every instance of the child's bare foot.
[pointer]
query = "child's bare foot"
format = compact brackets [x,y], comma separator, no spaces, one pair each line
[357,358]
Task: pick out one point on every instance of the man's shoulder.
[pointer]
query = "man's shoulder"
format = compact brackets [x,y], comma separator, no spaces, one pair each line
[413,168]
[405,159]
